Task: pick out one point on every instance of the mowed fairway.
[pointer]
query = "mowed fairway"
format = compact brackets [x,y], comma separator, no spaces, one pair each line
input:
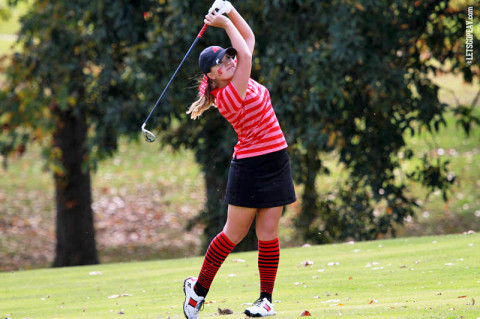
[427,277]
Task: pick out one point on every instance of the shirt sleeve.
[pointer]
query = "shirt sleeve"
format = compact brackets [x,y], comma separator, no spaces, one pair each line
[228,99]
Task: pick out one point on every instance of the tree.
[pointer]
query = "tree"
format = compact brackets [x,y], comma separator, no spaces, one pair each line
[66,90]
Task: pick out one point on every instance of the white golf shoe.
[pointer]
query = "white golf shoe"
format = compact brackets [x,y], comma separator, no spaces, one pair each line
[260,308]
[193,303]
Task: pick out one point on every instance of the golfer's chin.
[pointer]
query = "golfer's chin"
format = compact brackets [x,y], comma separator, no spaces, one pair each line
[229,78]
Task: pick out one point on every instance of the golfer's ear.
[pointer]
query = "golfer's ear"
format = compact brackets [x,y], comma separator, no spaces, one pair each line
[211,76]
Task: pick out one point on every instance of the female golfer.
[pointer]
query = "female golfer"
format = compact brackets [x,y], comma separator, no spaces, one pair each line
[259,179]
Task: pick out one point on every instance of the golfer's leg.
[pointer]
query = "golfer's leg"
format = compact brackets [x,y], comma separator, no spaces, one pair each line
[238,223]
[267,223]
[268,249]
[239,220]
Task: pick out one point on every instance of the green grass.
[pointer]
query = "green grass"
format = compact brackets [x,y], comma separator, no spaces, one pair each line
[6,43]
[9,25]
[427,277]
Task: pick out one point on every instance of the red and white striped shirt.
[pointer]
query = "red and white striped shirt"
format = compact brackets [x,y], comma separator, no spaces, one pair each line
[252,118]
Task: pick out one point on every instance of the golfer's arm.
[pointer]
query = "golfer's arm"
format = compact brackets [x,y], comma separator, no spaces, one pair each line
[244,57]
[243,27]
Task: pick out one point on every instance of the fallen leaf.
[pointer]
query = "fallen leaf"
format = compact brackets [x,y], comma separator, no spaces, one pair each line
[350,278]
[373,301]
[225,311]
[118,296]
[306,263]
[238,260]
[371,264]
[462,296]
[305,313]
[332,300]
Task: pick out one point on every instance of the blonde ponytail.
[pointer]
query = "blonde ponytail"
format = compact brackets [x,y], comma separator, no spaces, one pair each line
[203,102]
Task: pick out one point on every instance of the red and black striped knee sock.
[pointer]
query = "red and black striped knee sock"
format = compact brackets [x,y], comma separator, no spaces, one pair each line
[268,259]
[217,252]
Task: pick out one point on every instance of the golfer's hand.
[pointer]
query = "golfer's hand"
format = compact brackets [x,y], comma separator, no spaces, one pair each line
[216,20]
[222,6]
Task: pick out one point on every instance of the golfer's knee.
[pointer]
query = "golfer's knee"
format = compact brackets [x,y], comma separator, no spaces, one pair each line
[267,233]
[236,234]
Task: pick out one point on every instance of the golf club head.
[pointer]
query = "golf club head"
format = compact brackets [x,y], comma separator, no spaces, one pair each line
[149,136]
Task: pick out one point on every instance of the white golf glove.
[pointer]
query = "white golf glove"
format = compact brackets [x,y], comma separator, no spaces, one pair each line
[223,6]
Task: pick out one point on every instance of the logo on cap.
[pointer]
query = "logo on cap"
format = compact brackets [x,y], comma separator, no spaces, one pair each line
[215,49]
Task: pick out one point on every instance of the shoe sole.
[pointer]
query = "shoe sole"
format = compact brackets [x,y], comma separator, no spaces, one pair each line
[249,314]
[183,306]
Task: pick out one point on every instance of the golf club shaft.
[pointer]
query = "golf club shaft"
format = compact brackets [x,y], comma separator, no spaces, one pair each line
[200,34]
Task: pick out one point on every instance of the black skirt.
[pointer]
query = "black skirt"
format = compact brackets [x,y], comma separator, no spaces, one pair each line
[261,182]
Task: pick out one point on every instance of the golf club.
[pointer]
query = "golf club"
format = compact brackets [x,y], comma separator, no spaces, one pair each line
[149,136]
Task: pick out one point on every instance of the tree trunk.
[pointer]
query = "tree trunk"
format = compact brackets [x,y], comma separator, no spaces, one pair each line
[75,230]
[309,211]
[215,207]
